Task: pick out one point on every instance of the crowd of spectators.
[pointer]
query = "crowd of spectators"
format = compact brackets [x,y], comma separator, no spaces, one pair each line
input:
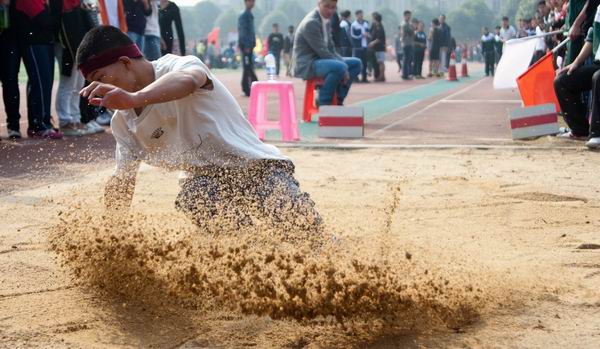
[39,33]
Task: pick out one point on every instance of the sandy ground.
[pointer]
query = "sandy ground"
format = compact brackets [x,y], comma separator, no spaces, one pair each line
[521,226]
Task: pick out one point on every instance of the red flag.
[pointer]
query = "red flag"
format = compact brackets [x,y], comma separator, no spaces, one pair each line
[536,85]
[213,37]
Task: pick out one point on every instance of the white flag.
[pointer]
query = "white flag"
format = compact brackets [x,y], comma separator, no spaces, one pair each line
[516,56]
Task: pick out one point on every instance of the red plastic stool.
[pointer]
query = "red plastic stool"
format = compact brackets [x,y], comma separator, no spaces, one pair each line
[310,108]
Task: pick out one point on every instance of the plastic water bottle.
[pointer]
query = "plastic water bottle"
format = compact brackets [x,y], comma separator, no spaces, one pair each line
[270,66]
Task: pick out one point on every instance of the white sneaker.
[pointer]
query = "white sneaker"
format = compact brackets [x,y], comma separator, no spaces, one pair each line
[593,143]
[92,127]
[570,136]
[104,119]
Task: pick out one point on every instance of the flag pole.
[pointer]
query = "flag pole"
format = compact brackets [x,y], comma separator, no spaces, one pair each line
[563,43]
[536,36]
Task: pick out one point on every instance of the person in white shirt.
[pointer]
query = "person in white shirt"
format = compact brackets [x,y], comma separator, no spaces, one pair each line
[175,114]
[152,33]
[507,32]
[359,33]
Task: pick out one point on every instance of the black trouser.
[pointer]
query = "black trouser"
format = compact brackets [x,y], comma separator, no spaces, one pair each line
[39,63]
[248,76]
[10,62]
[374,63]
[408,61]
[361,53]
[419,56]
[399,58]
[490,61]
[277,56]
[569,88]
[225,200]
[346,51]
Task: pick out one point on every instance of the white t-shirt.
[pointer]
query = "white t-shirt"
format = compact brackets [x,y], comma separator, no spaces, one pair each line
[152,27]
[203,130]
[112,12]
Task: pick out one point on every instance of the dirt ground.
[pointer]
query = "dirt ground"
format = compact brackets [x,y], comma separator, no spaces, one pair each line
[512,237]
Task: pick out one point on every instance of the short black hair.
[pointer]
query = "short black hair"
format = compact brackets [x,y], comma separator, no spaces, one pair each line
[345,13]
[542,2]
[377,16]
[100,39]
[498,27]
[358,12]
[407,12]
[435,21]
[505,18]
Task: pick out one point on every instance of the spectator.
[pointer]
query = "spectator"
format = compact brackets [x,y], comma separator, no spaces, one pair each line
[445,43]
[408,41]
[579,19]
[435,37]
[10,63]
[169,13]
[135,14]
[540,45]
[377,45]
[398,48]
[419,54]
[288,45]
[112,13]
[315,55]
[247,42]
[488,49]
[345,38]
[275,42]
[359,32]
[523,30]
[35,29]
[498,44]
[571,82]
[507,32]
[152,33]
[74,24]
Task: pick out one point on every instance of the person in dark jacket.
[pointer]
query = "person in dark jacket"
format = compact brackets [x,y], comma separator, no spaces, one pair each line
[419,51]
[36,26]
[408,42]
[275,42]
[288,45]
[169,13]
[345,38]
[10,63]
[488,50]
[135,15]
[377,47]
[74,23]
[247,42]
[445,43]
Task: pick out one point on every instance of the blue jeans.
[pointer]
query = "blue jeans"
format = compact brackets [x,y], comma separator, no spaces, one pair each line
[332,71]
[151,47]
[137,39]
[407,67]
[39,63]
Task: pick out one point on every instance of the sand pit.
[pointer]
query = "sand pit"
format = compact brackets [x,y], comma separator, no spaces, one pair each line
[437,248]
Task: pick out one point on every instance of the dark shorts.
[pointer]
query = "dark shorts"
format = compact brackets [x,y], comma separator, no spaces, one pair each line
[266,192]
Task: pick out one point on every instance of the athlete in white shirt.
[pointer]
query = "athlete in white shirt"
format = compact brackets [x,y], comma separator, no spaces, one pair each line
[173,113]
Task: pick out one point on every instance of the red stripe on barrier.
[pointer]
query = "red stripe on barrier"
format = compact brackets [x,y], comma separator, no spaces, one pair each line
[533,121]
[340,121]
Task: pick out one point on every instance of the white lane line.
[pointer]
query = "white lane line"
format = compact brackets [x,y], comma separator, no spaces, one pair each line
[342,146]
[473,101]
[417,113]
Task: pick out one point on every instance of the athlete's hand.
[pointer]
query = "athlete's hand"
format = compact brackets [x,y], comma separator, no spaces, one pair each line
[109,96]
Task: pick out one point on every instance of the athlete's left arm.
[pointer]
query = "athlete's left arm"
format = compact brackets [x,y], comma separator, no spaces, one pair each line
[171,86]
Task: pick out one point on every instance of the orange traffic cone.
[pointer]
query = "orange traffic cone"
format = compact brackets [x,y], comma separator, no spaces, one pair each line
[465,70]
[452,68]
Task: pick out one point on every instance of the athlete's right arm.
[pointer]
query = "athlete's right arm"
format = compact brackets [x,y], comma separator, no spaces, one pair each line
[119,189]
